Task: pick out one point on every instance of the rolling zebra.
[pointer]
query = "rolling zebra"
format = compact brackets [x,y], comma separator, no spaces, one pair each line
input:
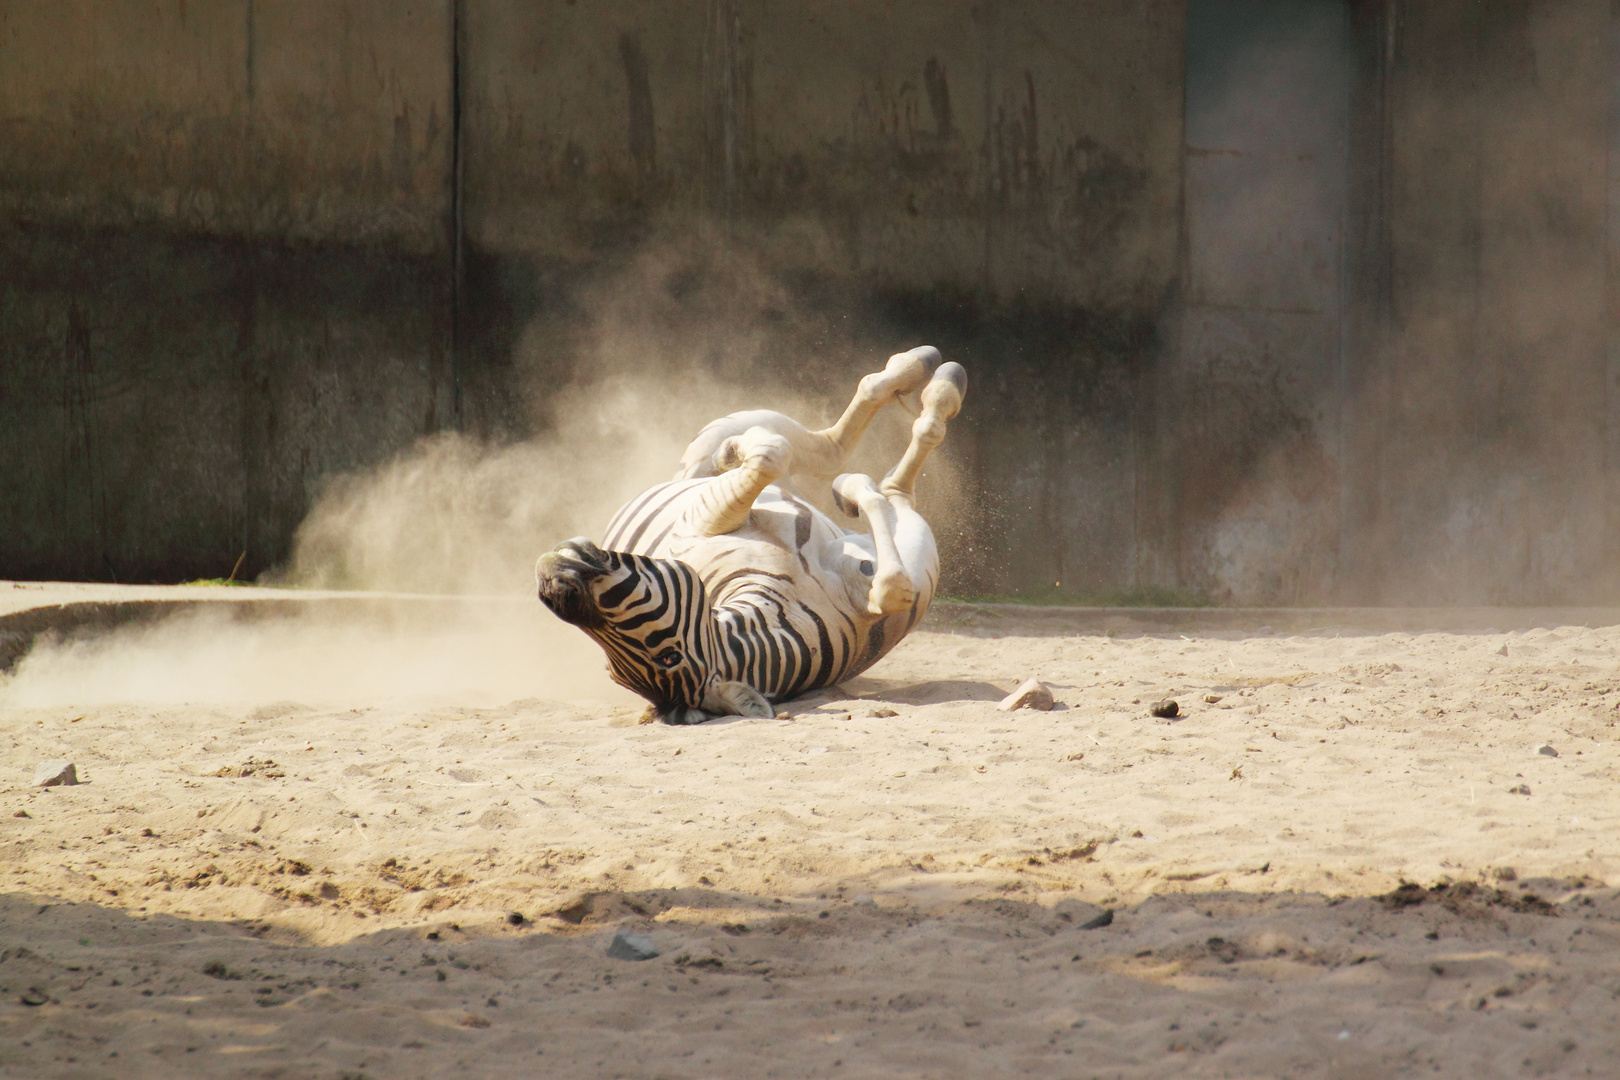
[723,591]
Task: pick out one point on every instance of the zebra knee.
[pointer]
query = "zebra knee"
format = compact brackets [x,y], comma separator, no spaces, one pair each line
[757,447]
[892,592]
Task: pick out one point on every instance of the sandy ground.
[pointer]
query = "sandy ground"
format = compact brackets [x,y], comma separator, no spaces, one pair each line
[399,846]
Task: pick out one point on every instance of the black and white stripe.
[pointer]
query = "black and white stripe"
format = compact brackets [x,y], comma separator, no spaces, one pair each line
[732,620]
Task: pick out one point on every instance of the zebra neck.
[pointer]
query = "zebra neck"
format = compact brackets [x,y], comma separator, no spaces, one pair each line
[762,641]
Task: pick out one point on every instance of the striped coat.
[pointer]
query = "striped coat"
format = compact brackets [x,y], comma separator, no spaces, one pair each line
[724,591]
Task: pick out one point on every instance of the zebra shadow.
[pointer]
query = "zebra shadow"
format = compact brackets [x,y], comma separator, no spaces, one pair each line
[935,692]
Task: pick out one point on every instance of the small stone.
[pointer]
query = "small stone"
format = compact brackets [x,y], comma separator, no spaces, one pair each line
[1100,920]
[1211,699]
[515,918]
[882,714]
[1505,873]
[1546,750]
[1502,651]
[56,774]
[1166,709]
[1031,694]
[1519,789]
[22,813]
[628,946]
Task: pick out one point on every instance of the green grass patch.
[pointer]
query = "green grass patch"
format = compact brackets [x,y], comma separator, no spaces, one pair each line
[1125,598]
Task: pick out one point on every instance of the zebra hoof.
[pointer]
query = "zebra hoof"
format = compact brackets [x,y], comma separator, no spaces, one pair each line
[683,716]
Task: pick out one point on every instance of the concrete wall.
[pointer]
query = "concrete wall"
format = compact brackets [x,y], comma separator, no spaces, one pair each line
[230,260]
[1272,302]
[1391,374]
[224,227]
[1491,401]
[1000,179]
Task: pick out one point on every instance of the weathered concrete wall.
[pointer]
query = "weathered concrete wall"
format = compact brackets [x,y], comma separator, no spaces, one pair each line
[1492,406]
[223,235]
[304,120]
[1000,179]
[1020,149]
[1315,306]
[1391,379]
[230,260]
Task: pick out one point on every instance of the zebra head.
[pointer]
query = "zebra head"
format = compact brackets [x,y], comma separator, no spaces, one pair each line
[651,617]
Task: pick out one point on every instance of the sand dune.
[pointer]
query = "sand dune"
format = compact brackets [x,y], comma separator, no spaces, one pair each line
[309,848]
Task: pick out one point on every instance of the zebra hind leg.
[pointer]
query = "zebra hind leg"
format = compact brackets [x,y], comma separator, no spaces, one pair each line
[941,401]
[822,453]
[903,374]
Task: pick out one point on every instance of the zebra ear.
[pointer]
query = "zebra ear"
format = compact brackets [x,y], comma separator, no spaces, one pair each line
[738,699]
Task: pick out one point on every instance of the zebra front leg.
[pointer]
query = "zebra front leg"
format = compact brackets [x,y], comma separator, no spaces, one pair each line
[941,401]
[892,588]
[751,462]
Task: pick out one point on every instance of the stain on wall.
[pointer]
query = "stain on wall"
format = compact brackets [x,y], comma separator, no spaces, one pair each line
[1361,355]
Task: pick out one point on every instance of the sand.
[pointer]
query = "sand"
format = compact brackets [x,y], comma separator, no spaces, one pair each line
[399,845]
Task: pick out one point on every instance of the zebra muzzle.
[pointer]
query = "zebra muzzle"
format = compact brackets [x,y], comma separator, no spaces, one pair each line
[564,575]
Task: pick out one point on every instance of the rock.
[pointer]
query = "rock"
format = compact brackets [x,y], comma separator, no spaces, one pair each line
[1519,789]
[1503,650]
[1166,709]
[515,918]
[1505,873]
[628,946]
[1211,699]
[1031,694]
[1546,750]
[56,774]
[881,714]
[1097,922]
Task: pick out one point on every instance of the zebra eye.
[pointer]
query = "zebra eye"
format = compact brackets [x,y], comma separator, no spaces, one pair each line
[668,658]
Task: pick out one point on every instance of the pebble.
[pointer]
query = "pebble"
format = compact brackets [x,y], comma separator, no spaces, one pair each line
[1031,694]
[1097,922]
[56,774]
[1166,709]
[628,946]
[1546,750]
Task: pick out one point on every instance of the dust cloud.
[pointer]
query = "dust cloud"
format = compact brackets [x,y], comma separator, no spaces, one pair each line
[463,516]
[1391,365]
[675,340]
[366,654]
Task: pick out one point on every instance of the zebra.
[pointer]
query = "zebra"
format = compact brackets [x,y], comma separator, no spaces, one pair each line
[722,591]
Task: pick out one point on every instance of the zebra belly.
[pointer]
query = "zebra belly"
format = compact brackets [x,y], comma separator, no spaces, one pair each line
[787,619]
